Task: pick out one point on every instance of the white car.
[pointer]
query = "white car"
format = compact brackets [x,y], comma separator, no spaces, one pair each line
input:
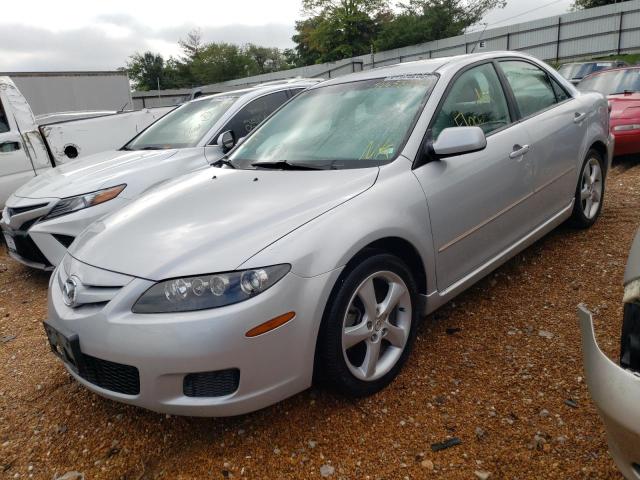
[313,251]
[43,217]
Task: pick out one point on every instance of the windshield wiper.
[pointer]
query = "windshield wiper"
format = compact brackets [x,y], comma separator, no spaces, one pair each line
[285,165]
[222,161]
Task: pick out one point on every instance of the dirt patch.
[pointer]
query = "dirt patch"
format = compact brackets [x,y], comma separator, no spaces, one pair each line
[499,368]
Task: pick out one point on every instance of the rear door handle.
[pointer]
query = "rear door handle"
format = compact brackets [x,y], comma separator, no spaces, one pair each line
[578,117]
[519,151]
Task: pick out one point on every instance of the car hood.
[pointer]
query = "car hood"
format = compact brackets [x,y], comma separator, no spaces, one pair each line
[625,106]
[213,220]
[94,172]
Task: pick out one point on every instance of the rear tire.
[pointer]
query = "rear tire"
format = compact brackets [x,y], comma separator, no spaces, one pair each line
[589,195]
[368,327]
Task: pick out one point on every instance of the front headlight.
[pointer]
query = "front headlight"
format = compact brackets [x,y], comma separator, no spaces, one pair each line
[187,294]
[79,202]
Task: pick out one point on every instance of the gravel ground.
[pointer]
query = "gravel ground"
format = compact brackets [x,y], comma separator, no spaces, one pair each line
[494,368]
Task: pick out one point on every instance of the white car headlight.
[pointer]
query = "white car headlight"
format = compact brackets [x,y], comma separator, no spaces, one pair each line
[187,294]
[79,202]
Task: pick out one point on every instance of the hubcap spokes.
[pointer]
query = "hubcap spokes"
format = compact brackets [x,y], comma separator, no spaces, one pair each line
[376,325]
[591,188]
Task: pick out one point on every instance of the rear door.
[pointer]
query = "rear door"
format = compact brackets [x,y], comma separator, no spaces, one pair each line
[478,202]
[15,166]
[556,125]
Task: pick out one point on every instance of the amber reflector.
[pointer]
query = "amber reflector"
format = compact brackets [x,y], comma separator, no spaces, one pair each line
[270,325]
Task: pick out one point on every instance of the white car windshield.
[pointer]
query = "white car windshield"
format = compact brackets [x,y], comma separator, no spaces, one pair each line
[184,127]
[347,125]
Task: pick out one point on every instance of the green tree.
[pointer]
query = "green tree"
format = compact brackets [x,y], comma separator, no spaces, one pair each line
[337,29]
[146,70]
[218,62]
[582,4]
[266,59]
[422,21]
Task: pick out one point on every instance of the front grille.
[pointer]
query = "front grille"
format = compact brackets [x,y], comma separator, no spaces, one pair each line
[27,249]
[16,210]
[211,384]
[110,375]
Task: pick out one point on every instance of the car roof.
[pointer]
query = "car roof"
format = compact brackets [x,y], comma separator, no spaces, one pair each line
[430,66]
[258,90]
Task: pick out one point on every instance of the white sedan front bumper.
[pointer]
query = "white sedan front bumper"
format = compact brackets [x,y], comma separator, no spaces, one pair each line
[616,393]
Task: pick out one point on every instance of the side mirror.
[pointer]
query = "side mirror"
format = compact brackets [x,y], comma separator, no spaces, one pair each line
[458,140]
[226,141]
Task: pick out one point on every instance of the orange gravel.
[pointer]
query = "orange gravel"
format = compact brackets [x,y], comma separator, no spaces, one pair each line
[499,384]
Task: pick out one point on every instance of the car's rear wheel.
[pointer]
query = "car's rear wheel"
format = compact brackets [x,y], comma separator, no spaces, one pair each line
[589,194]
[369,326]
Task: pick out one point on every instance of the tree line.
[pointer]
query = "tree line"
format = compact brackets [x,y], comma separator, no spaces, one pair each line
[330,30]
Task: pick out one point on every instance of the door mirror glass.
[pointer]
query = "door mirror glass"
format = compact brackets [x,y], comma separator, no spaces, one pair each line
[459,140]
[226,141]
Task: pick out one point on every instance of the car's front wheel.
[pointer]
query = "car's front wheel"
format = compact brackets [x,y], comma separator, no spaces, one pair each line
[369,326]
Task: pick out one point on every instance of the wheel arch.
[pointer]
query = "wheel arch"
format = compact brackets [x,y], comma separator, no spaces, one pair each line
[601,148]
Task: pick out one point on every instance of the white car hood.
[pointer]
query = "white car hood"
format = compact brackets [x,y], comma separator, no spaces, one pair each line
[94,172]
[213,220]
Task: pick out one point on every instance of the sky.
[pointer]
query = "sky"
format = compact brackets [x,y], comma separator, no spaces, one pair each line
[39,35]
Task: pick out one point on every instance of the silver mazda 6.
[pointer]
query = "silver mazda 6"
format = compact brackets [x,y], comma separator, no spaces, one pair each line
[312,250]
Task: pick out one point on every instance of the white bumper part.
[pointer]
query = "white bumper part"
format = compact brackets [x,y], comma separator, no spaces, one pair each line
[616,393]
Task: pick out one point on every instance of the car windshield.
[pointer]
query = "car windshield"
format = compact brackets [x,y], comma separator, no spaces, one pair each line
[615,81]
[184,127]
[348,125]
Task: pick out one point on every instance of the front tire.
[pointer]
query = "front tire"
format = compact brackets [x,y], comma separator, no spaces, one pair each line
[589,194]
[369,326]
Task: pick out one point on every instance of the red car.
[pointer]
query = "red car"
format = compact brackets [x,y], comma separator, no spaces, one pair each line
[622,88]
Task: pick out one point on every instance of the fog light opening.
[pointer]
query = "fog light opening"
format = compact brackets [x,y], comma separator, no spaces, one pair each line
[271,324]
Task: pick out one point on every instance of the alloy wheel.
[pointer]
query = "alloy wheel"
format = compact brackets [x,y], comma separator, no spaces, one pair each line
[591,188]
[376,325]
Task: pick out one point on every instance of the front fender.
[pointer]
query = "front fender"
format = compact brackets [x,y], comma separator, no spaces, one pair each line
[395,206]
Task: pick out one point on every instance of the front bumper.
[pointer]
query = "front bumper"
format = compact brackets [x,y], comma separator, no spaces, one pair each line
[615,391]
[43,243]
[166,348]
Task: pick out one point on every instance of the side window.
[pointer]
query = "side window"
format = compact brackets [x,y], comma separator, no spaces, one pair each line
[4,124]
[561,93]
[475,99]
[531,86]
[253,113]
[295,91]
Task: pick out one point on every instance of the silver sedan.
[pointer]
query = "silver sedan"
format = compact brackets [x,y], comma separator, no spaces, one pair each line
[314,248]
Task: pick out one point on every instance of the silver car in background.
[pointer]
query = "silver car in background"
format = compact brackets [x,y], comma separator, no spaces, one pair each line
[358,207]
[43,217]
[615,389]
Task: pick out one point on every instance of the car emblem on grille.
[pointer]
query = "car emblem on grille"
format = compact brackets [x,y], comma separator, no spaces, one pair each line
[70,291]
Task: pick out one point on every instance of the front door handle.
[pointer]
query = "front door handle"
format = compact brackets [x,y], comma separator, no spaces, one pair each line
[8,147]
[519,151]
[578,117]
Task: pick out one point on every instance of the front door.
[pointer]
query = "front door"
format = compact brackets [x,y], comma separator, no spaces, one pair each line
[478,202]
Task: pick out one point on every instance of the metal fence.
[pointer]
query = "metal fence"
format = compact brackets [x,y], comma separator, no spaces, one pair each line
[601,31]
